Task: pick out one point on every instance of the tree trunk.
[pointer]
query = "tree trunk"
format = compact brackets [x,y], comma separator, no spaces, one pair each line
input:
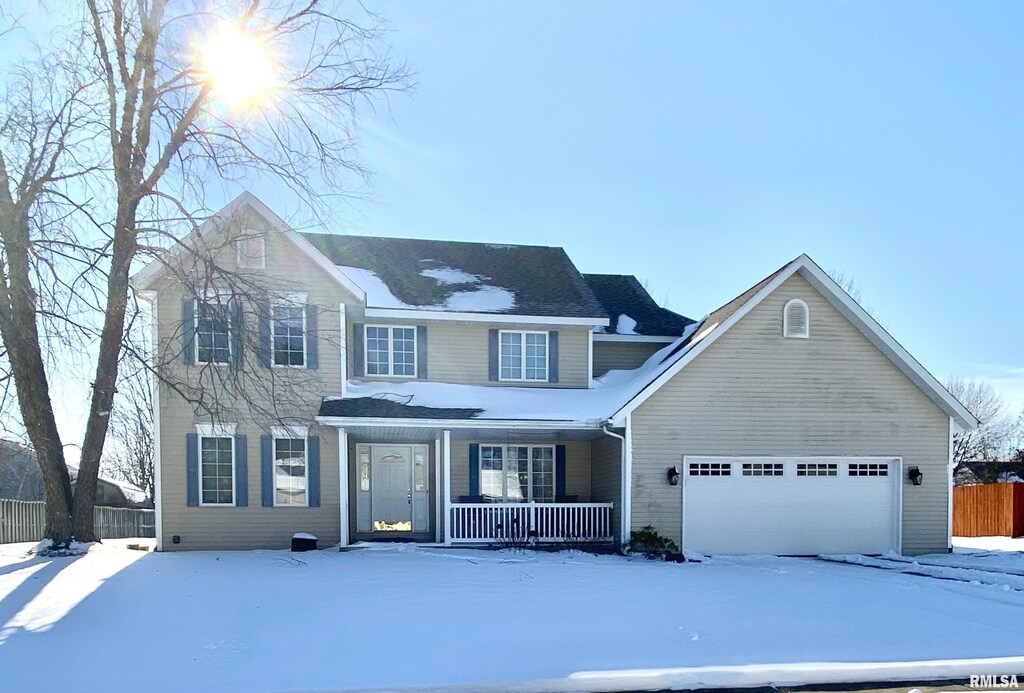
[104,384]
[21,338]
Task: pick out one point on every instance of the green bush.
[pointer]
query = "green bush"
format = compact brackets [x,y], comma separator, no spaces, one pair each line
[649,544]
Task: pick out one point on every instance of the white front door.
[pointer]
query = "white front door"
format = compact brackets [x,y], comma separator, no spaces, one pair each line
[392,488]
[791,506]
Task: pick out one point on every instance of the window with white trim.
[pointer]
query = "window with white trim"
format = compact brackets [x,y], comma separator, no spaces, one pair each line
[762,469]
[517,473]
[523,356]
[216,469]
[869,469]
[796,319]
[710,469]
[251,251]
[817,469]
[290,471]
[390,350]
[213,330]
[289,334]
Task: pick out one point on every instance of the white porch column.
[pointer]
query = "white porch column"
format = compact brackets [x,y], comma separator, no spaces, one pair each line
[627,481]
[437,489]
[447,457]
[343,483]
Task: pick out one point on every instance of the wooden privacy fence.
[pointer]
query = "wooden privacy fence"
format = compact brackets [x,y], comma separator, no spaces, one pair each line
[26,521]
[988,510]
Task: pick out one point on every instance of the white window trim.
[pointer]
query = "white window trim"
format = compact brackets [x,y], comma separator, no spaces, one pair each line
[289,300]
[504,476]
[522,357]
[217,430]
[290,433]
[251,235]
[785,319]
[224,300]
[391,351]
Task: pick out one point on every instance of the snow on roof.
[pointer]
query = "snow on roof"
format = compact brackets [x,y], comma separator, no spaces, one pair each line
[481,299]
[592,406]
[625,325]
[132,492]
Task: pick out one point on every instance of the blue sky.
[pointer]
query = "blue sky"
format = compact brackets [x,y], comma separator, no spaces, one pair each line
[701,146]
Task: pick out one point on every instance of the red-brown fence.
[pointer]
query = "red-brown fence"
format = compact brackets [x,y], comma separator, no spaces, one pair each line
[988,510]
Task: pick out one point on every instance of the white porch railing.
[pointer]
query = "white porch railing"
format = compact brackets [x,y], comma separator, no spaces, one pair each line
[475,523]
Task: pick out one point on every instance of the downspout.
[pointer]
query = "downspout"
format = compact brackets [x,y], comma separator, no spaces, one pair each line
[624,481]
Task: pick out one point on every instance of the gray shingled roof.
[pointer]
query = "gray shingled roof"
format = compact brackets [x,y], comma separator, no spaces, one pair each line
[622,294]
[542,279]
[376,407]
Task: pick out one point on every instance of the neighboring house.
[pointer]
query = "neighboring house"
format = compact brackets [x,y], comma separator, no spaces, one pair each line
[457,393]
[21,479]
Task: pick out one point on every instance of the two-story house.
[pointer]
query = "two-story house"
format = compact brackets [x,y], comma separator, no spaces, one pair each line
[365,389]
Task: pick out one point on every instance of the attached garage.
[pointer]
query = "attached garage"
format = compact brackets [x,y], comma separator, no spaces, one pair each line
[791,505]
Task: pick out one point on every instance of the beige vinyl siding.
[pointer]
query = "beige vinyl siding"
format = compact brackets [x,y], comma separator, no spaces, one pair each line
[458,353]
[298,392]
[606,476]
[577,466]
[612,356]
[754,392]
[254,526]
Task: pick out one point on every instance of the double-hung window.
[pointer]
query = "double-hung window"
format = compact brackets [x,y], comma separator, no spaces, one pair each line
[290,468]
[213,331]
[216,466]
[289,332]
[517,473]
[523,356]
[391,351]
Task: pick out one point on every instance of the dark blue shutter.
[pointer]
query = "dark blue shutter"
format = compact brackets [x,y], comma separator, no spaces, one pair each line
[559,472]
[492,355]
[267,470]
[552,357]
[236,333]
[312,346]
[266,345]
[188,331]
[358,356]
[474,469]
[313,470]
[192,468]
[421,351]
[241,471]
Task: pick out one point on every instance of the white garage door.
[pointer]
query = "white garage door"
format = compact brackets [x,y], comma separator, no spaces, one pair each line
[791,506]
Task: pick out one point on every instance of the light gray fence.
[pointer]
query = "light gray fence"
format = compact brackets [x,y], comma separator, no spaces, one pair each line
[26,521]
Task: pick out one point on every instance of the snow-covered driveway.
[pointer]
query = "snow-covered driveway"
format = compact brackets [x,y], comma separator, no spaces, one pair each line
[270,621]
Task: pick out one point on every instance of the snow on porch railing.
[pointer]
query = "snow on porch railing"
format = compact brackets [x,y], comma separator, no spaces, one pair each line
[548,522]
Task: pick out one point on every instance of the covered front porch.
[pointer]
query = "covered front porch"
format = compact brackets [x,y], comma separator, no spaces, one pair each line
[478,485]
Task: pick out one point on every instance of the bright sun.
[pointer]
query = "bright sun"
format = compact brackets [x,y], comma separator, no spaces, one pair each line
[238,66]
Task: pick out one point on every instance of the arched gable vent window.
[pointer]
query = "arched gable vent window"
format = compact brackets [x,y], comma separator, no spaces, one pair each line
[796,319]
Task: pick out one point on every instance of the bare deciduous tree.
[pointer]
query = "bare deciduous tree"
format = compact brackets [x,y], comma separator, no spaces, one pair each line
[131,449]
[113,168]
[989,440]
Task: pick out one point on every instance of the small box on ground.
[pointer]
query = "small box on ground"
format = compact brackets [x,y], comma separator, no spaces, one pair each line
[303,541]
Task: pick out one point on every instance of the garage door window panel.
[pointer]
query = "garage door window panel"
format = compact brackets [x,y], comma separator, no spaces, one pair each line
[710,469]
[817,469]
[869,469]
[762,469]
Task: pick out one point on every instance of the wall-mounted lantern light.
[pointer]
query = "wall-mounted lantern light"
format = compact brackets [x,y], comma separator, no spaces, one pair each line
[916,476]
[673,476]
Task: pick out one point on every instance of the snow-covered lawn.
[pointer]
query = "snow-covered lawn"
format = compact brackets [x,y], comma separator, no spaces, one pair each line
[120,620]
